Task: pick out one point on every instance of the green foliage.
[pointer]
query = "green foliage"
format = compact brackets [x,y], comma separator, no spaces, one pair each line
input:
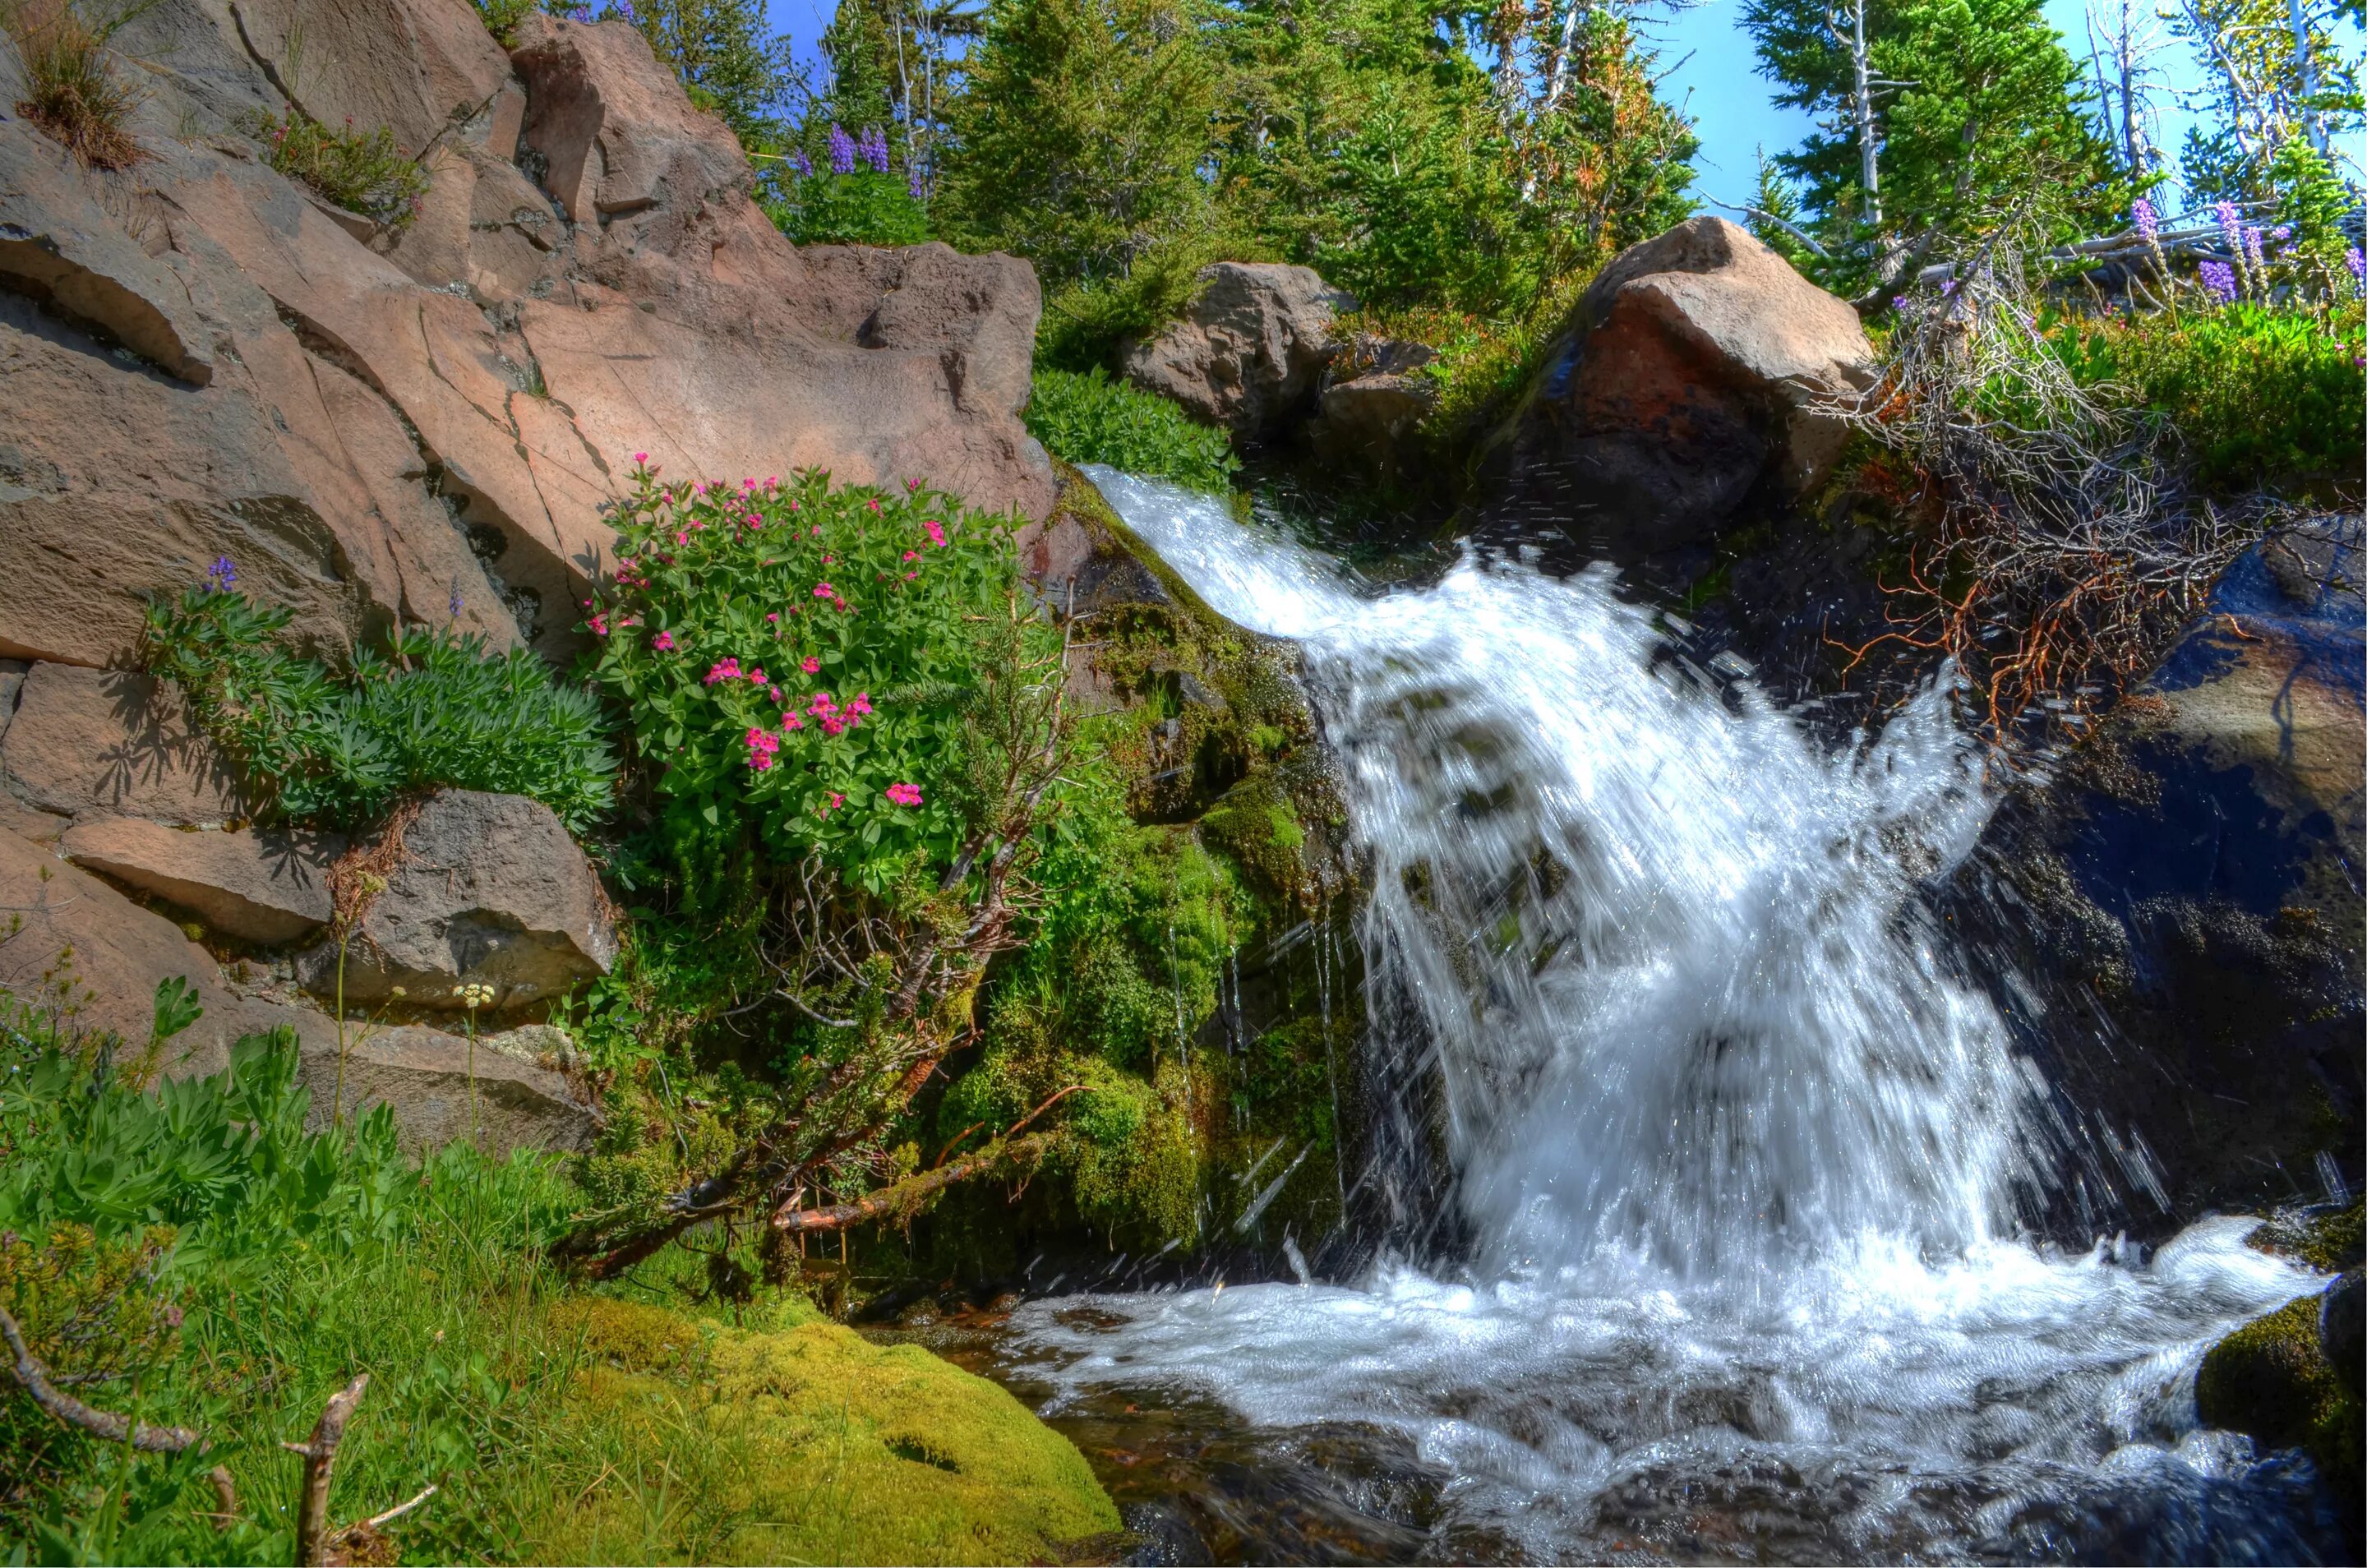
[2256,394]
[502,16]
[434,709]
[798,662]
[1092,418]
[865,207]
[362,172]
[1082,134]
[71,90]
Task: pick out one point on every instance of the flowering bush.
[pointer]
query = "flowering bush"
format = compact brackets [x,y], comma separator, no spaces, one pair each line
[854,201]
[798,660]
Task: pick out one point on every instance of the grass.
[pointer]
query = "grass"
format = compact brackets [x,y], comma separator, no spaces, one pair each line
[1088,418]
[203,1262]
[71,91]
[361,171]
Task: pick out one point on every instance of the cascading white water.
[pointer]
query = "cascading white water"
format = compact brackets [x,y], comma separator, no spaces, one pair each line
[1739,1156]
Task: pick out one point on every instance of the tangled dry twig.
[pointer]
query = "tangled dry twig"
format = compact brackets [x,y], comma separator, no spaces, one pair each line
[2067,545]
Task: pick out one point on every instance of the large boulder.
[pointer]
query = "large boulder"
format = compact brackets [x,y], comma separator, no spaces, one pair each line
[432,424]
[266,886]
[89,743]
[1249,352]
[1693,379]
[2172,921]
[481,890]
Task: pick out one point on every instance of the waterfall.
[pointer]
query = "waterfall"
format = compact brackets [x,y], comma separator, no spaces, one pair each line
[1739,1156]
[1685,1001]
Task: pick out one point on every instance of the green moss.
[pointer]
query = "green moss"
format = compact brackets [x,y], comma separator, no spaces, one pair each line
[801,1441]
[2328,1242]
[2271,1380]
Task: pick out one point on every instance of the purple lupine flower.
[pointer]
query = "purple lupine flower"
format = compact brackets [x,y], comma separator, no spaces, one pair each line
[842,150]
[2357,262]
[455,604]
[2219,281]
[874,148]
[581,14]
[2147,220]
[801,166]
[625,9]
[915,185]
[223,574]
[2231,224]
[2252,251]
[2280,233]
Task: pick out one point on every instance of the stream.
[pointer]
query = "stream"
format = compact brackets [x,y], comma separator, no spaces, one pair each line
[1736,1155]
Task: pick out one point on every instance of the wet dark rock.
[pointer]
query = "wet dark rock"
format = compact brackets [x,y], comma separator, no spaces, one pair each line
[2342,1328]
[2173,921]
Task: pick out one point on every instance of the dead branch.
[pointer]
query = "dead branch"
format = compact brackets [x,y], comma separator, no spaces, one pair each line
[37,1381]
[320,1456]
[902,1196]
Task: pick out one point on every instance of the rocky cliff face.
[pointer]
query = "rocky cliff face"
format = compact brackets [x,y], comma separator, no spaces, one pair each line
[201,359]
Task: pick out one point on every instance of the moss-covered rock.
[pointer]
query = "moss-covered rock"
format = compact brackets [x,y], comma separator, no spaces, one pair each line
[808,1444]
[2271,1380]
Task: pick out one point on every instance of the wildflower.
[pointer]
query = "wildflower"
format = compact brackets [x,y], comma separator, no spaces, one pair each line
[774,692]
[842,150]
[762,744]
[641,457]
[874,149]
[904,794]
[810,665]
[663,642]
[222,575]
[801,166]
[599,625]
[455,605]
[861,707]
[172,1315]
[2252,253]
[822,704]
[912,554]
[824,590]
[2218,281]
[2356,261]
[936,531]
[872,505]
[2280,233]
[473,997]
[724,670]
[774,616]
[757,677]
[915,182]
[791,721]
[2147,220]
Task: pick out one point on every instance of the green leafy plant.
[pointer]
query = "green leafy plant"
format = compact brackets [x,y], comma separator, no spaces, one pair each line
[362,172]
[865,207]
[1091,419]
[71,87]
[2256,393]
[434,709]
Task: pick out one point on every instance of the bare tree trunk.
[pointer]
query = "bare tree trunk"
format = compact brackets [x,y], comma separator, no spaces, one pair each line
[2312,126]
[320,1458]
[1861,105]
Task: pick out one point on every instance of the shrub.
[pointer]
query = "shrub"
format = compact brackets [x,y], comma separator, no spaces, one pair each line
[434,709]
[1091,419]
[362,172]
[502,16]
[70,89]
[2256,394]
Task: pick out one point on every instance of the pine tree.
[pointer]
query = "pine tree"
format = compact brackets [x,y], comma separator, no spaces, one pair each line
[728,59]
[1978,121]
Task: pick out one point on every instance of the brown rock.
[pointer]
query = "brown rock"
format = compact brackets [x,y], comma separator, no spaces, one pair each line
[109,743]
[491,891]
[104,957]
[1250,352]
[87,950]
[1688,382]
[422,68]
[440,1089]
[267,885]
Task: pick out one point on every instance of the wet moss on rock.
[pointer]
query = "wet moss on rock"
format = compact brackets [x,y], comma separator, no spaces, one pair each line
[812,1445]
[2271,1380]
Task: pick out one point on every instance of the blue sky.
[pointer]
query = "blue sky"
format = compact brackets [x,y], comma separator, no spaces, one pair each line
[1716,85]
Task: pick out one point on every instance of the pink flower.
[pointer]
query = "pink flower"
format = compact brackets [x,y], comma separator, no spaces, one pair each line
[775,694]
[821,704]
[816,531]
[861,707]
[904,794]
[824,590]
[724,670]
[912,554]
[830,561]
[871,506]
[791,721]
[756,677]
[937,532]
[811,665]
[775,618]
[663,642]
[599,625]
[762,744]
[641,457]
